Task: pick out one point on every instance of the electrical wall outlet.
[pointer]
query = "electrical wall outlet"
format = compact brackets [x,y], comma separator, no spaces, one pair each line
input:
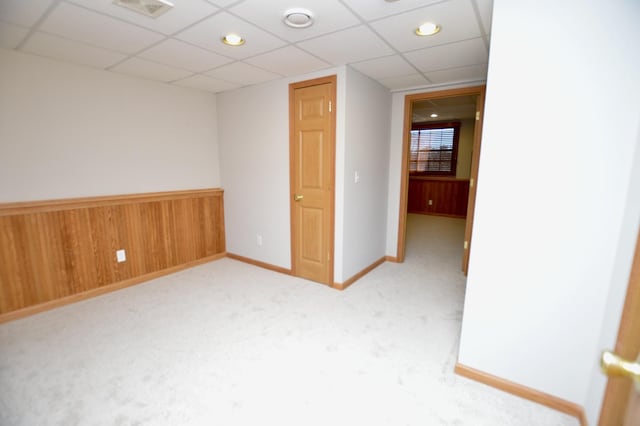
[259,240]
[121,255]
[430,202]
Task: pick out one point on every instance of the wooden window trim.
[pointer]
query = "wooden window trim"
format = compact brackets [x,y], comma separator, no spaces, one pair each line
[454,153]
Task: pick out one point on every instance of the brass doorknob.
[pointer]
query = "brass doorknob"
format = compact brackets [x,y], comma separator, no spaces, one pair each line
[298,197]
[613,365]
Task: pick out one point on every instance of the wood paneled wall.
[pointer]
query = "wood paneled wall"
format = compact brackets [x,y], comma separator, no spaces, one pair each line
[52,250]
[449,196]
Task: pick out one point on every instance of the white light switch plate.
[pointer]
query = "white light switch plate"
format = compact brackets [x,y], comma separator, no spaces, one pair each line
[121,255]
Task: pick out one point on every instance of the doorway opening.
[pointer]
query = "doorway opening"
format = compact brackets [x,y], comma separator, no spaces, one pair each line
[441,176]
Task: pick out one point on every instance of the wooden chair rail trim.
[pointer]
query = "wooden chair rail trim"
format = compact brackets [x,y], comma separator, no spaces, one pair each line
[525,392]
[26,207]
[260,264]
[456,216]
[42,307]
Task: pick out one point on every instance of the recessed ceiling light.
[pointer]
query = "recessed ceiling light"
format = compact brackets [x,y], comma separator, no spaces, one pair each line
[233,40]
[298,18]
[434,115]
[427,29]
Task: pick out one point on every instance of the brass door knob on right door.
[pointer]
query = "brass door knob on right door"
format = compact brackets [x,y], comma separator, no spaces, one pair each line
[615,366]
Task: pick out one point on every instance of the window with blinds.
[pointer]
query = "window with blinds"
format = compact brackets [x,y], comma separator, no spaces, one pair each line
[434,148]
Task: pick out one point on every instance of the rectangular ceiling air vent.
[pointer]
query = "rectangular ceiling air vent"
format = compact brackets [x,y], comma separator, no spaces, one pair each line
[151,8]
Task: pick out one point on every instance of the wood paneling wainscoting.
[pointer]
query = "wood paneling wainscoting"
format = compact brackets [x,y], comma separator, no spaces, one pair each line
[449,196]
[59,251]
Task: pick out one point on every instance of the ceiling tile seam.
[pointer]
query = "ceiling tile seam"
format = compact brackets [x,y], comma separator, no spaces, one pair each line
[293,44]
[455,84]
[117,18]
[241,61]
[455,68]
[449,43]
[227,7]
[160,63]
[173,36]
[483,30]
[287,43]
[366,24]
[84,43]
[165,36]
[406,11]
[207,76]
[34,28]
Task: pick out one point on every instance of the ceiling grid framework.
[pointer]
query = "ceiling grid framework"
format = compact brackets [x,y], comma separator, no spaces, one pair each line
[183,46]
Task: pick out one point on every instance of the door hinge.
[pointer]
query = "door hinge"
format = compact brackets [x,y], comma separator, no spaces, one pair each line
[471,181]
[477,115]
[330,106]
[466,245]
[328,257]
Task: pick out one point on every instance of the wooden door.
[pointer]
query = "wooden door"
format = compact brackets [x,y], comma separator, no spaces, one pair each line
[312,147]
[621,405]
[473,181]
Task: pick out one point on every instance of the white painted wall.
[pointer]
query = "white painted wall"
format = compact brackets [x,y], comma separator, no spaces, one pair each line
[551,242]
[71,131]
[366,152]
[254,148]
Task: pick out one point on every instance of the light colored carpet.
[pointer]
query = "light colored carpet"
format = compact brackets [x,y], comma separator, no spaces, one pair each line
[231,344]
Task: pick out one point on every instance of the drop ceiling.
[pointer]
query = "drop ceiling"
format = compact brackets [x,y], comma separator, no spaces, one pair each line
[452,108]
[183,45]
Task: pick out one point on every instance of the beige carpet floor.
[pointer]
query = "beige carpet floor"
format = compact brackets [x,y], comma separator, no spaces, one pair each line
[228,343]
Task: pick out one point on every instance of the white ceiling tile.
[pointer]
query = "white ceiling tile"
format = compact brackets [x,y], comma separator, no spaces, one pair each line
[11,35]
[485,7]
[222,3]
[389,66]
[23,12]
[369,9]
[352,45]
[329,16]
[182,55]
[404,82]
[208,34]
[288,61]
[209,84]
[469,52]
[456,19]
[473,72]
[70,51]
[239,72]
[150,70]
[89,27]
[183,14]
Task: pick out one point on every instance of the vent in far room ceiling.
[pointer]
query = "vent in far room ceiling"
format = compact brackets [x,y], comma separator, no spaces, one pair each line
[150,8]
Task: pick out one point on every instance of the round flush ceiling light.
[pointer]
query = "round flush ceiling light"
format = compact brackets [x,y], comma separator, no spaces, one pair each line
[233,40]
[434,115]
[427,29]
[298,18]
